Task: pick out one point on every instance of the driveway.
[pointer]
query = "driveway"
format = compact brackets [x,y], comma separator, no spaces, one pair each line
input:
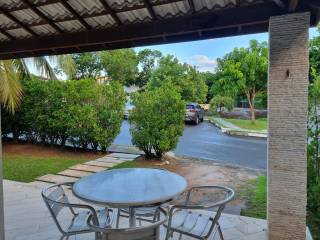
[208,143]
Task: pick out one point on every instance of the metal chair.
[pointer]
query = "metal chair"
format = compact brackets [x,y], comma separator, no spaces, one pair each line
[147,231]
[142,214]
[56,200]
[188,220]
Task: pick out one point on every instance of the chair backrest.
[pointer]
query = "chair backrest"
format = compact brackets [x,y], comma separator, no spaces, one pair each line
[56,199]
[228,196]
[149,231]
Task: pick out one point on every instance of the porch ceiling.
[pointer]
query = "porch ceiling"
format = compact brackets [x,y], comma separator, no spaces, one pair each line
[48,27]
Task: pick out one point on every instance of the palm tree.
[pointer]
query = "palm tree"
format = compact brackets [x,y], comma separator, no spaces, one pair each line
[67,64]
[11,71]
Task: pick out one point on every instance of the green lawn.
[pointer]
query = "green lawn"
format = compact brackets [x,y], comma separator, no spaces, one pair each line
[260,124]
[256,195]
[129,164]
[26,168]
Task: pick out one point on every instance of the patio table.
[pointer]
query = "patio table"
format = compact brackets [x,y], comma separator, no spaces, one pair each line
[130,188]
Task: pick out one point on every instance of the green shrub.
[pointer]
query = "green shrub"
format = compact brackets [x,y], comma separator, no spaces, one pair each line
[157,120]
[84,113]
[218,103]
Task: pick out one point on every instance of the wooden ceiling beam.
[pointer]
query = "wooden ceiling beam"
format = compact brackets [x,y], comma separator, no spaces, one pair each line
[124,9]
[18,22]
[43,16]
[280,4]
[314,3]
[111,12]
[8,35]
[75,14]
[192,8]
[293,4]
[150,9]
[211,24]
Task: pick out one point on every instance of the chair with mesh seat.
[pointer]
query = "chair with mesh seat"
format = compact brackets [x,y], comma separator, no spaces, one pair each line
[148,230]
[198,221]
[142,214]
[70,218]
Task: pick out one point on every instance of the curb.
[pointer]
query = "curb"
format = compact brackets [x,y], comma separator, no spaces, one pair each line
[234,132]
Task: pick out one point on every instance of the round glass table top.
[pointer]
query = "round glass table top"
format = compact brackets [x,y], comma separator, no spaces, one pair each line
[130,187]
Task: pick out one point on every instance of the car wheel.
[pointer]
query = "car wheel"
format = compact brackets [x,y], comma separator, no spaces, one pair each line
[196,122]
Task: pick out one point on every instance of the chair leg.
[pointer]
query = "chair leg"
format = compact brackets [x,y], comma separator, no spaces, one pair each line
[220,232]
[118,218]
[169,234]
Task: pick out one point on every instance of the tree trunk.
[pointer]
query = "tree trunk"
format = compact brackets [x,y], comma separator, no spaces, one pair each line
[251,98]
[253,114]
[2,234]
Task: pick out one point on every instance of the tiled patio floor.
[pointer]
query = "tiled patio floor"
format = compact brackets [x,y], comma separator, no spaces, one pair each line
[28,219]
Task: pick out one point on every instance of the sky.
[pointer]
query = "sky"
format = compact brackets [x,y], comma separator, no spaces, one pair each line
[203,54]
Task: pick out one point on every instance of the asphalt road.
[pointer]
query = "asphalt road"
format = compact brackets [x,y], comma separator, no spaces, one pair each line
[207,142]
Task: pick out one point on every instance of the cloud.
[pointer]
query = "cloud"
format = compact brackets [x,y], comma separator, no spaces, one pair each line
[203,63]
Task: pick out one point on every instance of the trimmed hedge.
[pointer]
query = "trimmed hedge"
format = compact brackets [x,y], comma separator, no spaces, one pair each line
[82,113]
[157,120]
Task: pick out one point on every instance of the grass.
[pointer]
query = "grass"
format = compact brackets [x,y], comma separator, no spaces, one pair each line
[27,168]
[260,124]
[129,164]
[256,195]
[25,162]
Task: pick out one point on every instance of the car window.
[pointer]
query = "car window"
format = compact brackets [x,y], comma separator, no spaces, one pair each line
[190,107]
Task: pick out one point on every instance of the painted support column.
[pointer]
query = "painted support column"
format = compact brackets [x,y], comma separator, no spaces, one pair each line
[287,141]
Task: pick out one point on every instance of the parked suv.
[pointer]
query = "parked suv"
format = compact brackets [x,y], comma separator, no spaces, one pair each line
[194,113]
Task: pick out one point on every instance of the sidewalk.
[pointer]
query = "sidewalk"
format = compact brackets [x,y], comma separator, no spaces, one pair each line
[231,129]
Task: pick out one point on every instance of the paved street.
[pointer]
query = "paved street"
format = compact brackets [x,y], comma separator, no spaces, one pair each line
[207,142]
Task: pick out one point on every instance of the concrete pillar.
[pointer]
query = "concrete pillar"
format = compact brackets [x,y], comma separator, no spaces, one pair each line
[287,142]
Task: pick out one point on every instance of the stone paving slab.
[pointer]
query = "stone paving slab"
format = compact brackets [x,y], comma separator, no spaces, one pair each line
[110,160]
[74,173]
[81,170]
[120,148]
[51,178]
[27,218]
[124,155]
[100,164]
[87,168]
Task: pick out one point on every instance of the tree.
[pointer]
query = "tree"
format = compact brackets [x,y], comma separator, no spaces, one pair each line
[314,56]
[218,102]
[87,65]
[157,120]
[67,65]
[120,65]
[147,60]
[313,163]
[185,78]
[244,71]
[210,80]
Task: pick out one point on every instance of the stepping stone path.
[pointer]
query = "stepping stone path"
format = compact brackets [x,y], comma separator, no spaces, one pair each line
[78,171]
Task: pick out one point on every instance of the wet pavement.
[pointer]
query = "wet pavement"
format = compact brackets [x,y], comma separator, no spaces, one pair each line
[209,143]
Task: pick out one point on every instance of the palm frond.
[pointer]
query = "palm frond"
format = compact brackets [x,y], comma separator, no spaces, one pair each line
[67,64]
[21,68]
[10,86]
[43,67]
